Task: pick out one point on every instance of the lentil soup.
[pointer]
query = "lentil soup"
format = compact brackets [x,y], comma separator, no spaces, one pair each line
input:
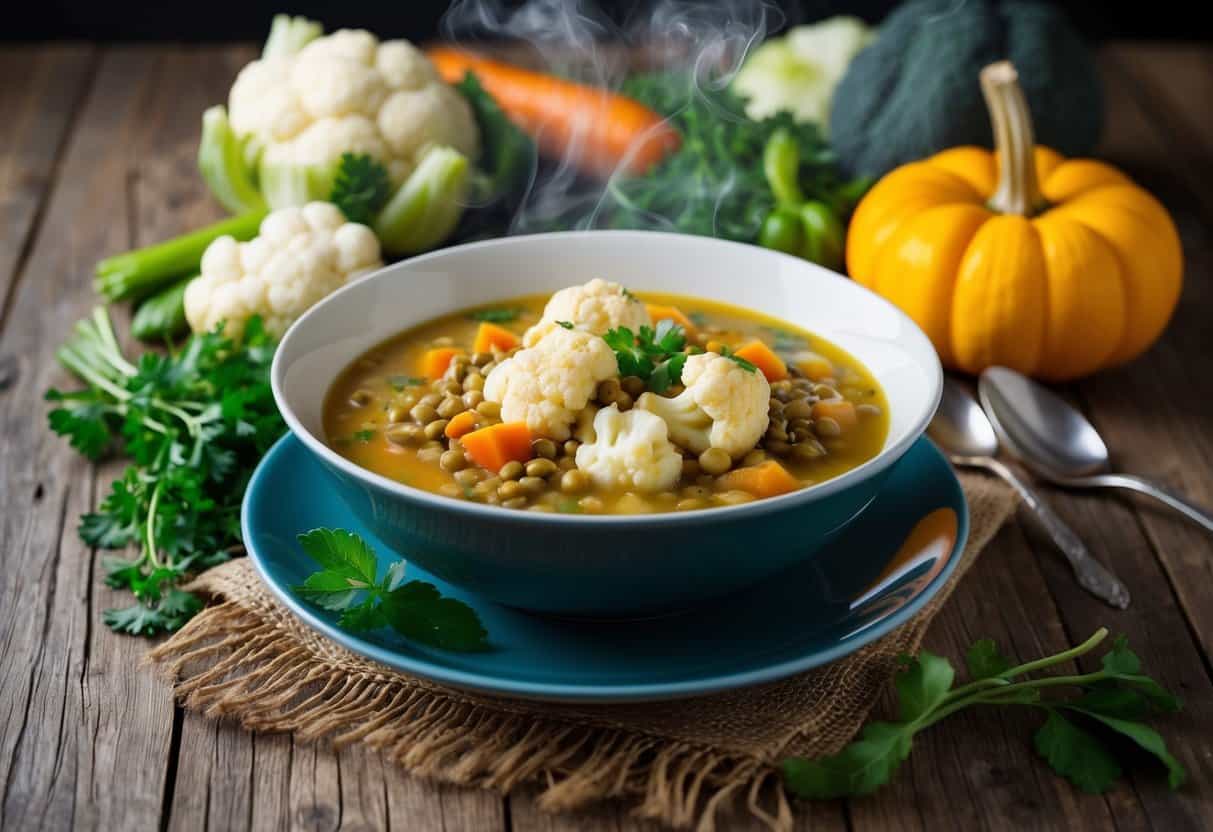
[661,425]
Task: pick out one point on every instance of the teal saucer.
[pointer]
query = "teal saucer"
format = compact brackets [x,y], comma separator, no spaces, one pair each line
[873,577]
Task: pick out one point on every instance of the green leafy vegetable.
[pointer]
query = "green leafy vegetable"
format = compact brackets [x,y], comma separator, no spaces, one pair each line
[361,187]
[565,324]
[348,583]
[194,424]
[1115,699]
[650,353]
[499,315]
[714,183]
[508,152]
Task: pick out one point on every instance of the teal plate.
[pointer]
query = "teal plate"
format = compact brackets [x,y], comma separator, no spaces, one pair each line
[873,577]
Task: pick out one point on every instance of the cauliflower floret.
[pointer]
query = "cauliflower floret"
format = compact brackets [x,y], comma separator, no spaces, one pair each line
[349,92]
[301,255]
[723,406]
[596,307]
[546,385]
[630,450]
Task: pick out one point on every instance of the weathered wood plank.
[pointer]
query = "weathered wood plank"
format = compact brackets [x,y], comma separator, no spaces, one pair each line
[92,747]
[39,100]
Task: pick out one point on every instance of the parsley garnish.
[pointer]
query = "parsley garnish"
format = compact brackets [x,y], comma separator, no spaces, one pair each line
[565,324]
[627,294]
[495,316]
[1113,700]
[398,383]
[364,436]
[349,584]
[194,423]
[360,187]
[728,353]
[655,355]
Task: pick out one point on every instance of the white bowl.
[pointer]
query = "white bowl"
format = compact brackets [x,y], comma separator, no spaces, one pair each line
[477,545]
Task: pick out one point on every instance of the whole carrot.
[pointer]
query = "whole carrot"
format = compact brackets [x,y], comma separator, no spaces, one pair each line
[608,129]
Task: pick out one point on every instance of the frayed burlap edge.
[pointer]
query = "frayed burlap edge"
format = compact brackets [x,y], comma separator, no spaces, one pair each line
[247,658]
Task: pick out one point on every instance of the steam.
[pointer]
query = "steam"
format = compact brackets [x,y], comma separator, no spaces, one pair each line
[706,40]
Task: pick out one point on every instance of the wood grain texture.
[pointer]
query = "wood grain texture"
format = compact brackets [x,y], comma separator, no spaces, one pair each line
[98,155]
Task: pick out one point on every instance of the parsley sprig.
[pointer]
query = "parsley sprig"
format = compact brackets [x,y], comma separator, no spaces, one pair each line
[653,354]
[194,423]
[1114,700]
[658,354]
[349,584]
[361,187]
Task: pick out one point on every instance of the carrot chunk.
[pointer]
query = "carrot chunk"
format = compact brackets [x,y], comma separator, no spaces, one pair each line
[495,445]
[435,361]
[817,367]
[764,358]
[840,410]
[670,313]
[490,335]
[766,479]
[461,424]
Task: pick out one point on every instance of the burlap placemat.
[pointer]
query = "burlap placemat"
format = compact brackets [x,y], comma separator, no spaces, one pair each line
[678,762]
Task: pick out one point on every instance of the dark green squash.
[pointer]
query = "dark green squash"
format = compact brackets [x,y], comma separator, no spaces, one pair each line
[915,90]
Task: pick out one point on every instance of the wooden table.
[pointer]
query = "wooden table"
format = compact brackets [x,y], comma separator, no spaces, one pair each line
[97,150]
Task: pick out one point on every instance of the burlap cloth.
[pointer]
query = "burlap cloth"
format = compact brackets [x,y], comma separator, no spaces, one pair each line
[679,762]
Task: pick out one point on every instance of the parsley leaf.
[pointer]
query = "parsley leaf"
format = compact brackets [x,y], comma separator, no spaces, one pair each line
[360,187]
[1075,754]
[348,584]
[1115,699]
[728,353]
[499,315]
[565,324]
[984,660]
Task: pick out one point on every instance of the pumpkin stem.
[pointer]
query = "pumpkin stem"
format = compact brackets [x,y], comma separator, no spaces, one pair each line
[1018,188]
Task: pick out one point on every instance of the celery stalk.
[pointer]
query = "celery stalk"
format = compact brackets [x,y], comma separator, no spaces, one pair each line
[426,208]
[221,161]
[141,272]
[162,316]
[290,34]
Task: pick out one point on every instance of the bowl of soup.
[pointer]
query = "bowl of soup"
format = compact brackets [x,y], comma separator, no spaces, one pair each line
[606,423]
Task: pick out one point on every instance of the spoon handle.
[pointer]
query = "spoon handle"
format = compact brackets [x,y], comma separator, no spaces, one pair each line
[1091,575]
[1186,507]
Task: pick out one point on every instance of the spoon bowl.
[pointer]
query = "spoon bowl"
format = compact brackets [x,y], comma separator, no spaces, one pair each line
[1040,427]
[1052,438]
[960,427]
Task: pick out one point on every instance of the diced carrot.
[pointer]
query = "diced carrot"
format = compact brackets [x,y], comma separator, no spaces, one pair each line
[765,359]
[840,410]
[670,313]
[495,445]
[490,335]
[435,361]
[461,424]
[814,366]
[766,479]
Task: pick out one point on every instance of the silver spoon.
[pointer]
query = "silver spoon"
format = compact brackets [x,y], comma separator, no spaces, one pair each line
[1057,442]
[966,435]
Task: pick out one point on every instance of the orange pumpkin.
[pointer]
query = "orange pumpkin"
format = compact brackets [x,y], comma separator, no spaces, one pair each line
[1054,267]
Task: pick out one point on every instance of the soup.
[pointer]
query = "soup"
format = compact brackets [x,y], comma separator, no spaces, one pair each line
[601,401]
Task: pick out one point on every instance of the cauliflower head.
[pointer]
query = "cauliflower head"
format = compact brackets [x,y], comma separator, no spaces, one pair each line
[547,384]
[630,450]
[300,256]
[596,307]
[724,405]
[344,93]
